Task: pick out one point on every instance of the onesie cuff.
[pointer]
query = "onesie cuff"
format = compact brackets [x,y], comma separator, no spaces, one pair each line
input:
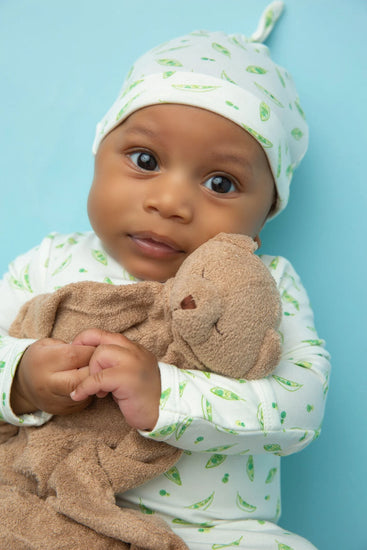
[168,417]
[10,362]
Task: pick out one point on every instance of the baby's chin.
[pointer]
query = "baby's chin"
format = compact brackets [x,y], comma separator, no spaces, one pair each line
[160,274]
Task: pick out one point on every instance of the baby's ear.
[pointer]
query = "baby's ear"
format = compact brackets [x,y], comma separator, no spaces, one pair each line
[243,241]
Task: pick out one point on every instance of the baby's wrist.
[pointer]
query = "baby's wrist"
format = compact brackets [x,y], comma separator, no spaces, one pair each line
[18,400]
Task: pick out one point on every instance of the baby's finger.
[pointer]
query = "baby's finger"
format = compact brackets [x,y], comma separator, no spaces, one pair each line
[101,394]
[69,357]
[101,382]
[65,382]
[96,337]
[88,337]
[108,356]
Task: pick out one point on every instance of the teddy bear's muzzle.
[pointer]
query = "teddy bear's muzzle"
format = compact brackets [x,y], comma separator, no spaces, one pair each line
[188,303]
[196,311]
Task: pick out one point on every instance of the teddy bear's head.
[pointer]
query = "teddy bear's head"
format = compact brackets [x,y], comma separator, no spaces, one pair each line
[226,309]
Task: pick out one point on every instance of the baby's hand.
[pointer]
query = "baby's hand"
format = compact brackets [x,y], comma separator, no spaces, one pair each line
[48,371]
[128,371]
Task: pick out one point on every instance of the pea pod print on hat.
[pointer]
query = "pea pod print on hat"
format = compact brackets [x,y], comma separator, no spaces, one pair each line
[231,75]
[264,111]
[194,87]
[256,70]
[221,49]
[169,62]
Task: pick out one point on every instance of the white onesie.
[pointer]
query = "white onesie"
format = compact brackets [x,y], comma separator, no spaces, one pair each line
[225,489]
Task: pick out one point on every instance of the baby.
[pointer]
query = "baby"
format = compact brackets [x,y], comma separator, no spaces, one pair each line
[203,138]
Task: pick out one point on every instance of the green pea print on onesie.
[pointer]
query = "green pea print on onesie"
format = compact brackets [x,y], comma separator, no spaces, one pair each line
[100,256]
[207,409]
[24,282]
[165,431]
[164,397]
[243,505]
[225,394]
[271,475]
[173,475]
[215,460]
[182,427]
[203,504]
[250,468]
[182,387]
[64,265]
[228,545]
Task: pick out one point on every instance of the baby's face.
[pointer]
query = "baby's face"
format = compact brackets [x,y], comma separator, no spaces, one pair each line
[171,177]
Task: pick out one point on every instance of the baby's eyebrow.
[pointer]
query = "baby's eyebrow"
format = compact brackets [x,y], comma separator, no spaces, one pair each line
[232,158]
[143,131]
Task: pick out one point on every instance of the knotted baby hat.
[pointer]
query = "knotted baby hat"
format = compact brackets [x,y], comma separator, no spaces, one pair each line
[230,75]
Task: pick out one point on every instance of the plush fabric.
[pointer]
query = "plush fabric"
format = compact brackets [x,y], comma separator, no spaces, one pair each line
[58,482]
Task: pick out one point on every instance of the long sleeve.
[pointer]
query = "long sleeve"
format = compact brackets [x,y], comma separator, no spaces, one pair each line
[57,261]
[16,288]
[202,412]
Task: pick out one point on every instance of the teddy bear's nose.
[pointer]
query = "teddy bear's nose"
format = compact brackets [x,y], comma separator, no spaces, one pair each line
[188,303]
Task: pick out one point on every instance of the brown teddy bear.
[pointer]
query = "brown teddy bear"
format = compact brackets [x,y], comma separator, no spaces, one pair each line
[58,482]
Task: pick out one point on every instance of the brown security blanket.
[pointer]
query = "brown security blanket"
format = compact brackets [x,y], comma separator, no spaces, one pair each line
[58,482]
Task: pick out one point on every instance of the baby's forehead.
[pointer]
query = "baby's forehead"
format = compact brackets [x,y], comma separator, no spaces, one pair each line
[220,139]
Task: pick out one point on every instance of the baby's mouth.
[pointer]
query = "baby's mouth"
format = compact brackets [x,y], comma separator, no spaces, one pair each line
[154,245]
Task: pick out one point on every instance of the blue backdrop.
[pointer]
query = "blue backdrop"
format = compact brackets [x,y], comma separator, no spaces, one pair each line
[62,64]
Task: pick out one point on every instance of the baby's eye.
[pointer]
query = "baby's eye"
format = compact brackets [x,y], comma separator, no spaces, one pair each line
[144,160]
[220,184]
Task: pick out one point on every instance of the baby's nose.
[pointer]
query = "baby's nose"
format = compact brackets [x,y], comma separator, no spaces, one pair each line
[171,196]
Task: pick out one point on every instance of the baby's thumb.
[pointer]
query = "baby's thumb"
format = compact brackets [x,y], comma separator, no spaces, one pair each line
[78,377]
[88,386]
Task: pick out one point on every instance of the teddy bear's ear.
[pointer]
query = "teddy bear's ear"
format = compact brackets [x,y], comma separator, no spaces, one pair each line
[268,358]
[243,241]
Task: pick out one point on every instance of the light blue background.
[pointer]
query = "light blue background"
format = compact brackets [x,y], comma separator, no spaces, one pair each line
[62,64]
